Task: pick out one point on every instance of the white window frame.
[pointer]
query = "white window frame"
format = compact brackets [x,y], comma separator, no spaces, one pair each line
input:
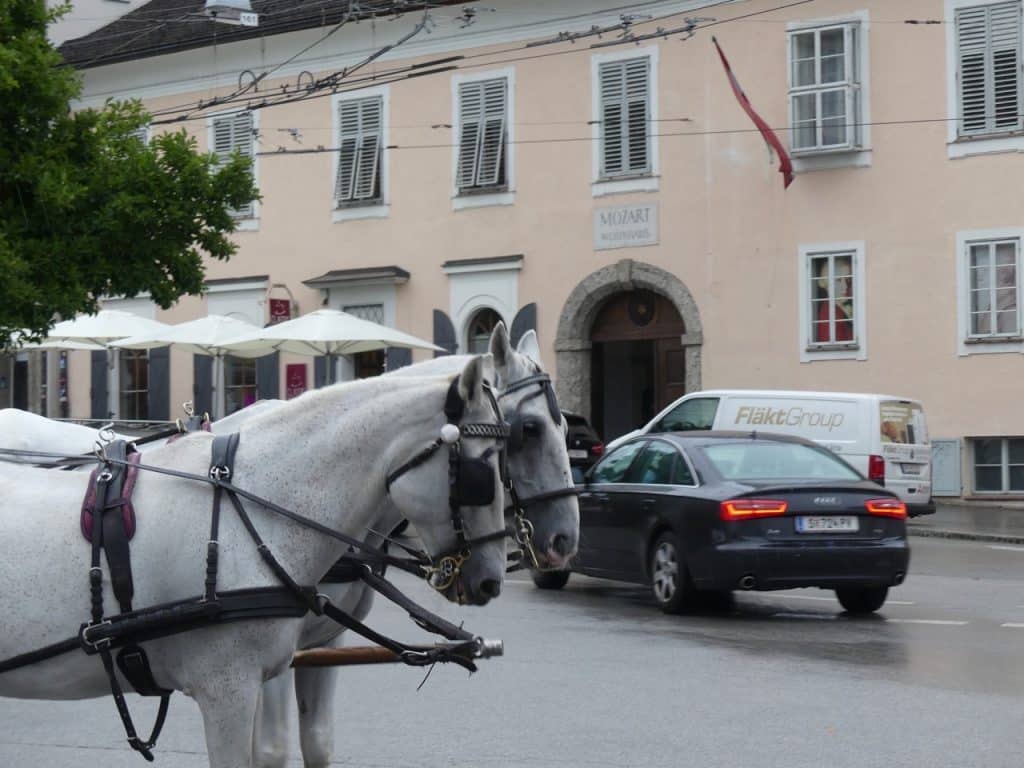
[857,155]
[460,200]
[966,146]
[993,344]
[382,208]
[810,350]
[651,181]
[1004,467]
[252,222]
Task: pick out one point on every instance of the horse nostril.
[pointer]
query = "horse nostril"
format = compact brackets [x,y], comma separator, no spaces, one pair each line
[561,545]
[490,588]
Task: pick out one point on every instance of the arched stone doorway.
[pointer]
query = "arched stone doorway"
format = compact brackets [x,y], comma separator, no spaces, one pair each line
[601,303]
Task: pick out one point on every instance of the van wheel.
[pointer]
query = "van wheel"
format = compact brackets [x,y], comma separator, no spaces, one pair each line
[860,600]
[670,582]
[550,579]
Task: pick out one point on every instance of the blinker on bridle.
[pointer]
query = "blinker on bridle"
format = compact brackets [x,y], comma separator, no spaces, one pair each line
[470,480]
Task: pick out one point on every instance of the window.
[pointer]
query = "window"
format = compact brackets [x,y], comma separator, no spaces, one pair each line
[483,117]
[478,335]
[235,133]
[367,364]
[134,378]
[832,305]
[766,460]
[360,142]
[655,465]
[239,383]
[994,289]
[625,117]
[612,469]
[824,89]
[988,69]
[698,413]
[998,465]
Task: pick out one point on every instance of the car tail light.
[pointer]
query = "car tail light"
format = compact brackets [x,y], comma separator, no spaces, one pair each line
[876,469]
[597,449]
[886,508]
[746,509]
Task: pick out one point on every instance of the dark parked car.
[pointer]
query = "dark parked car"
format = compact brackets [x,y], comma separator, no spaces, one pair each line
[584,444]
[720,511]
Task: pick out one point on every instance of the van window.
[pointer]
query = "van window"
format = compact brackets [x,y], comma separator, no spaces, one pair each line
[902,422]
[698,413]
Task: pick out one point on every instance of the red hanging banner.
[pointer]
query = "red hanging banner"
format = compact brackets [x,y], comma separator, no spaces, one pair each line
[280,310]
[295,379]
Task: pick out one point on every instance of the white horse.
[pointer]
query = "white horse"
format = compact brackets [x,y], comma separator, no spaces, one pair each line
[539,466]
[327,453]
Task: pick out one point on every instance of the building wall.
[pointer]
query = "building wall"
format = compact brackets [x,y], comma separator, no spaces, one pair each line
[727,230]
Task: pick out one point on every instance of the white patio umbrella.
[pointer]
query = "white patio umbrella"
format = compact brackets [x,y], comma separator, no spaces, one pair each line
[204,336]
[327,332]
[101,329]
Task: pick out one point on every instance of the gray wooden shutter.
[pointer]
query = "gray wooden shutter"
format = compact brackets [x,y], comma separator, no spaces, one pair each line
[233,133]
[625,116]
[483,108]
[202,384]
[268,377]
[946,479]
[525,320]
[444,334]
[319,372]
[160,383]
[100,405]
[397,357]
[989,71]
[360,146]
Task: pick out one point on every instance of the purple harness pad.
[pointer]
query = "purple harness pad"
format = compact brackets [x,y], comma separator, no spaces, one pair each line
[125,501]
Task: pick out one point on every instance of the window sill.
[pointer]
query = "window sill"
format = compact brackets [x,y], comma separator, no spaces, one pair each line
[831,159]
[355,212]
[464,200]
[617,186]
[812,354]
[992,345]
[247,225]
[968,146]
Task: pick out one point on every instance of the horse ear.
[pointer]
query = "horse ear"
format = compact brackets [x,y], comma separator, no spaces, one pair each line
[500,346]
[529,346]
[478,370]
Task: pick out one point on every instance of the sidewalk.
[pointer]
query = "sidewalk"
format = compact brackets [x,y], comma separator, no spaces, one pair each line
[971,521]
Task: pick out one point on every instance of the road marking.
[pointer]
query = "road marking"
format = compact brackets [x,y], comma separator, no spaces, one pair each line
[833,600]
[1012,625]
[937,622]
[1005,548]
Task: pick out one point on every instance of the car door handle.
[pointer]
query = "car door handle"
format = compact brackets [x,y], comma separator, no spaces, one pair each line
[647,504]
[602,498]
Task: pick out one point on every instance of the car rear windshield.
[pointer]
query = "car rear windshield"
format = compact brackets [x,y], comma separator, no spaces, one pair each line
[763,460]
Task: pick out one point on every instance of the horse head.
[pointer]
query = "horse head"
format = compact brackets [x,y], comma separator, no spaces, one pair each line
[451,490]
[538,461]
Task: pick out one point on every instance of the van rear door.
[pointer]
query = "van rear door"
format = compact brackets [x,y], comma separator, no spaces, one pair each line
[906,449]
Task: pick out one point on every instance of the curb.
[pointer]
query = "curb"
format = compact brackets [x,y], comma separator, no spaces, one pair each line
[942,533]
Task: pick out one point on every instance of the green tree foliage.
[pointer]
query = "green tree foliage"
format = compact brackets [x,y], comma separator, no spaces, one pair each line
[87,209]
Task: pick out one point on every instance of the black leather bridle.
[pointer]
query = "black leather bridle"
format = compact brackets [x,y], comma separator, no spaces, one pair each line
[470,480]
[518,427]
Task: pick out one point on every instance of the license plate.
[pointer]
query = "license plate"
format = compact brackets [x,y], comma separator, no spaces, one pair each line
[577,453]
[830,524]
[911,469]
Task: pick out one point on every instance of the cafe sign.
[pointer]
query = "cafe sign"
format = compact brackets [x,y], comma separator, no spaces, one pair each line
[625,226]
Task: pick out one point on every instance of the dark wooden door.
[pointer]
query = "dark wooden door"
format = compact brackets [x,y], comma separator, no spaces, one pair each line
[669,371]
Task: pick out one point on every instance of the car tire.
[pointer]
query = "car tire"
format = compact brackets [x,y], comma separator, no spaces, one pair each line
[550,579]
[861,600]
[670,582]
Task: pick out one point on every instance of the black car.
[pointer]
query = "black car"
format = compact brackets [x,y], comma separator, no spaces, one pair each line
[719,511]
[584,444]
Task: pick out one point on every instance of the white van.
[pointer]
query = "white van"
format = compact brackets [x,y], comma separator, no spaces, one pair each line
[883,437]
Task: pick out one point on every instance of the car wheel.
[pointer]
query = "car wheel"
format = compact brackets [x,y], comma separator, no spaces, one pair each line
[862,599]
[670,584]
[550,579]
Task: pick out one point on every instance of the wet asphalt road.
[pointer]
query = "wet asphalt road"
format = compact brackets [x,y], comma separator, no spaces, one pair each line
[595,676]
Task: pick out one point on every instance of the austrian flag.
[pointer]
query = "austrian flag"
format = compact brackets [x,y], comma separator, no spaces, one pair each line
[785,164]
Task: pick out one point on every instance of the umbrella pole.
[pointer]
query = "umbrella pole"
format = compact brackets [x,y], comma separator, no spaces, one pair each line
[219,403]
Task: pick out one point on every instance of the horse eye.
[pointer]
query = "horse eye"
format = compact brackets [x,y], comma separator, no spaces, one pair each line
[531,428]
